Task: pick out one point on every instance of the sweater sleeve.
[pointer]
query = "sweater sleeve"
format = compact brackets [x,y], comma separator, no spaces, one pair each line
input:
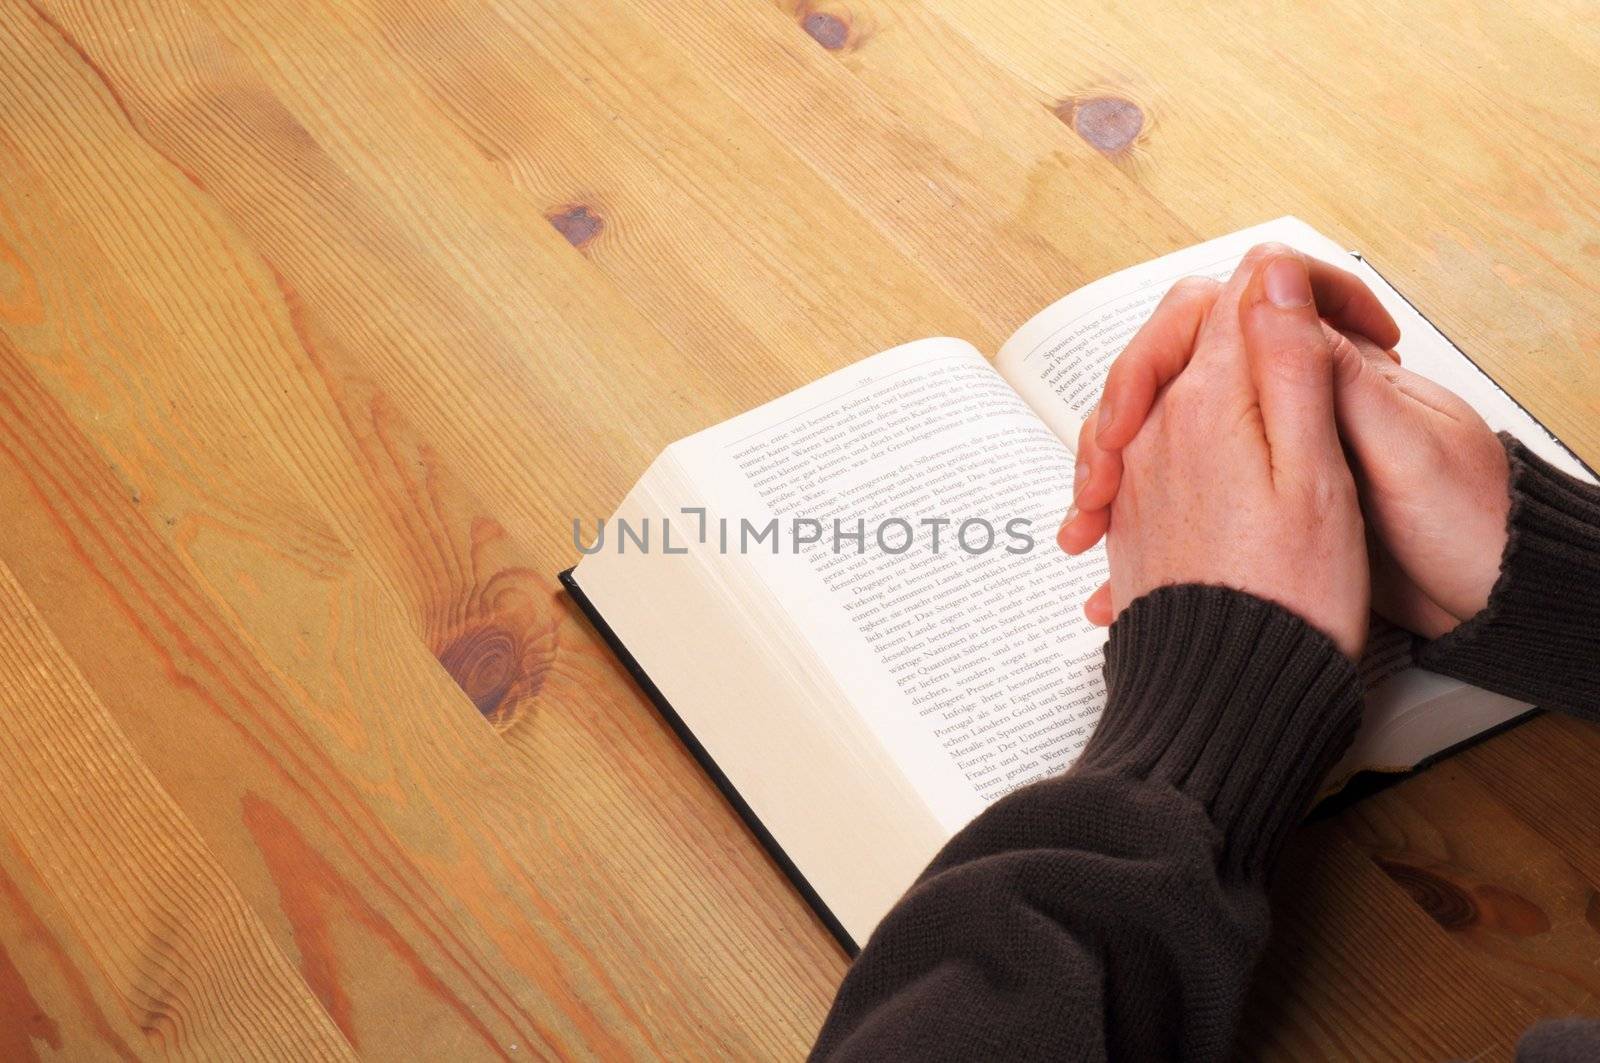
[1538,639]
[1117,910]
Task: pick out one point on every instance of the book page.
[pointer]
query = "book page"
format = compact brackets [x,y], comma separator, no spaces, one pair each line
[916,499]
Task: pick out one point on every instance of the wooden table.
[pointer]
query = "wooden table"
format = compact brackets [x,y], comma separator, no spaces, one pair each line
[319,323]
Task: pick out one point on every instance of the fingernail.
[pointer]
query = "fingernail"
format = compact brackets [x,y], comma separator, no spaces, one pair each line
[1079,478]
[1287,283]
[1103,419]
[1072,514]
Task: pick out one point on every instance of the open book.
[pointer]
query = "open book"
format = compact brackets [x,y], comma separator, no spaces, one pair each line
[850,604]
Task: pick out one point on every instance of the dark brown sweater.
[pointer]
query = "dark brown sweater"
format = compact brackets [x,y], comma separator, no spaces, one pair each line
[1118,910]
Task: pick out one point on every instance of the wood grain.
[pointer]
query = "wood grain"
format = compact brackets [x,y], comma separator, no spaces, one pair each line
[319,322]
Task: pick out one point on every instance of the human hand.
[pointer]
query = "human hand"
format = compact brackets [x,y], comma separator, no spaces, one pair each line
[1433,480]
[1439,515]
[1157,353]
[1236,476]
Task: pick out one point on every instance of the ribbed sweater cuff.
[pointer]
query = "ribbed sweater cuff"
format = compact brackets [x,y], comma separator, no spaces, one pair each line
[1538,639]
[1231,699]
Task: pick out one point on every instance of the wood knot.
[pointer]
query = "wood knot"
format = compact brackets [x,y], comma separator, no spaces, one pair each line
[828,30]
[1510,912]
[1107,123]
[495,638]
[576,223]
[1456,905]
[1445,902]
[486,663]
[1591,911]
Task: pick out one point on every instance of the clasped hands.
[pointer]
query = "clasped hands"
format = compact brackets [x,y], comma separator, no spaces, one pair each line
[1261,435]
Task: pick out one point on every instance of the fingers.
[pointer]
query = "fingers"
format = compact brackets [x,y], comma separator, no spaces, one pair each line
[1385,412]
[1095,484]
[1157,353]
[1367,398]
[1099,472]
[1082,529]
[1291,362]
[1364,379]
[1342,298]
[1349,305]
[1365,348]
[1400,601]
[1097,607]
[1162,347]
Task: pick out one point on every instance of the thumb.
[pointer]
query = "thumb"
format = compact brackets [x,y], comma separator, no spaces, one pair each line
[1291,362]
[1381,407]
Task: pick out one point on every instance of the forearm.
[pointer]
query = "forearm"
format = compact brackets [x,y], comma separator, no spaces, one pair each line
[1119,909]
[1538,639]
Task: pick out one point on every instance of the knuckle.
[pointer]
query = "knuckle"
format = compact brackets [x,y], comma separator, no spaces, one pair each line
[1193,289]
[1297,354]
[1140,453]
[1300,361]
[1086,432]
[1326,493]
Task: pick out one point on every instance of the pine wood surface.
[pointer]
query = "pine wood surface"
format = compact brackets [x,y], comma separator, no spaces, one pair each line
[321,321]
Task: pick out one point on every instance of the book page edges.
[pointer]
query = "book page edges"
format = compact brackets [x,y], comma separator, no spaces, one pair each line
[768,712]
[1415,717]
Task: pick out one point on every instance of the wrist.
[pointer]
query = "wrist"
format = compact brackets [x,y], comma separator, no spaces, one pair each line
[1538,638]
[1233,701]
[1339,612]
[1491,532]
